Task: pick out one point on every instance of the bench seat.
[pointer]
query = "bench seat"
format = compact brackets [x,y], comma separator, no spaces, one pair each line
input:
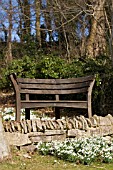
[52,103]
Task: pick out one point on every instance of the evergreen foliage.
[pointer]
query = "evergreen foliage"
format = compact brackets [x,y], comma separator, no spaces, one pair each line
[53,66]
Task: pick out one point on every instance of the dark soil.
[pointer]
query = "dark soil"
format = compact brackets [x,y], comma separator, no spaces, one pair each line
[7,98]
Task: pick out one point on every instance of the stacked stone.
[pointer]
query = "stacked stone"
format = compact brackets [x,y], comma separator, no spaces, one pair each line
[38,125]
[93,126]
[32,131]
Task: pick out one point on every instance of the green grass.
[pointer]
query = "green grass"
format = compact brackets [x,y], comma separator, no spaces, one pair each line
[39,162]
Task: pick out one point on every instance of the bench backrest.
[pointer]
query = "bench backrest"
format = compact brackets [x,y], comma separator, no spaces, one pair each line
[52,86]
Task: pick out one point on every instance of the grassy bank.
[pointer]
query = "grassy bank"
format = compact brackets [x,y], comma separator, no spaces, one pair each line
[21,161]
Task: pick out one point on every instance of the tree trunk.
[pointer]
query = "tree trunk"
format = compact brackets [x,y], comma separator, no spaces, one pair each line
[112,32]
[96,43]
[38,33]
[26,13]
[24,19]
[9,41]
[91,38]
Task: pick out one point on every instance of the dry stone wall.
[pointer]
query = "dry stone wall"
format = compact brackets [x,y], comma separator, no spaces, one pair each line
[28,132]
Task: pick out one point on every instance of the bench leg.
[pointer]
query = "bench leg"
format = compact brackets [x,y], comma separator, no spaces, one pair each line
[18,112]
[57,112]
[89,106]
[27,114]
[18,108]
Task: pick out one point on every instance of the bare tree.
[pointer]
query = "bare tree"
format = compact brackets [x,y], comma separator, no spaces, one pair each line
[112,31]
[9,43]
[80,25]
[38,31]
[25,19]
[96,43]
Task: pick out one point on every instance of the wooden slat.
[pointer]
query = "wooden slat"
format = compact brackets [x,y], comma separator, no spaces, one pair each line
[73,104]
[54,87]
[52,101]
[55,81]
[54,91]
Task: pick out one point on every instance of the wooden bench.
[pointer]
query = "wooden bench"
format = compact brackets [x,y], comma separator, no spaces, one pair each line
[26,90]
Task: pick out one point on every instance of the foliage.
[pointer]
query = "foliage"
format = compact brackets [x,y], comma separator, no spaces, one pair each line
[101,65]
[41,67]
[24,49]
[85,150]
[25,67]
[103,70]
[56,67]
[53,66]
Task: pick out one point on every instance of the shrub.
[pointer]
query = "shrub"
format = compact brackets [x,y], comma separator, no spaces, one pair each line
[53,66]
[25,67]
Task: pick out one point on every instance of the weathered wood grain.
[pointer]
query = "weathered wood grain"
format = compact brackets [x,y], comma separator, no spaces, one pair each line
[55,87]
